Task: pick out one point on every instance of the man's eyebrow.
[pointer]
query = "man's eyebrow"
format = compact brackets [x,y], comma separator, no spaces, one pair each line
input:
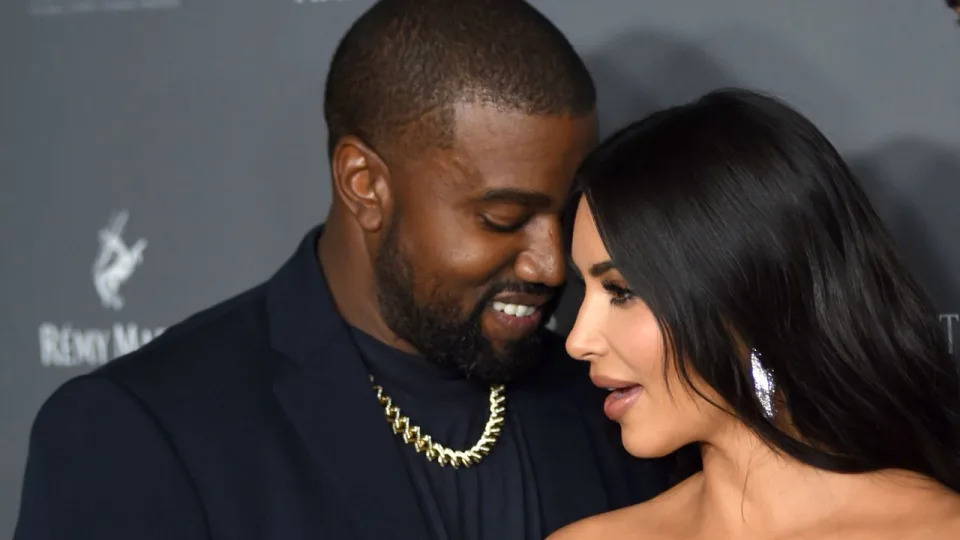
[516,196]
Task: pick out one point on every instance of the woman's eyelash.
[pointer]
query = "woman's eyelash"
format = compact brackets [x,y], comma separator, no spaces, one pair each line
[619,294]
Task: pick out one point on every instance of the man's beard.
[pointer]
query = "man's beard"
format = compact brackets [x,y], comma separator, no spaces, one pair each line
[436,327]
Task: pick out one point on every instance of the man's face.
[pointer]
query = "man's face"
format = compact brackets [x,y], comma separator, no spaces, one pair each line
[474,252]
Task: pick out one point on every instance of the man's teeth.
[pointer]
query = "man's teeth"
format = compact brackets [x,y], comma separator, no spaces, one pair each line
[517,310]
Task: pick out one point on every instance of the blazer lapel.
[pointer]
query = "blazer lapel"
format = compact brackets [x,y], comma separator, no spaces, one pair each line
[325,391]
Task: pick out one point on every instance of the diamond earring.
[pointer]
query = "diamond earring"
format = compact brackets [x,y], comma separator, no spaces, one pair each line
[763,384]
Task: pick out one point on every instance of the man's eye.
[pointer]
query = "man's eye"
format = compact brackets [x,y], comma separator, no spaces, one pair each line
[503,226]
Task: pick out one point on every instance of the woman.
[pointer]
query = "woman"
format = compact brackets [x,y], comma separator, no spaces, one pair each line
[741,293]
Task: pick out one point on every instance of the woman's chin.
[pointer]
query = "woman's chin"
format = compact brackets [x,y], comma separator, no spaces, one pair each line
[647,447]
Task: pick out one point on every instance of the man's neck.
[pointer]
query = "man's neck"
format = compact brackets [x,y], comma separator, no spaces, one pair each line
[344,260]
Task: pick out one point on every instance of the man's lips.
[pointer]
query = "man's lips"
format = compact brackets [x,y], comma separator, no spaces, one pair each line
[519,304]
[527,299]
[515,313]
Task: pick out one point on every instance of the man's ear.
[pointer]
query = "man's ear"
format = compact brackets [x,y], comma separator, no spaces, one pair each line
[361,180]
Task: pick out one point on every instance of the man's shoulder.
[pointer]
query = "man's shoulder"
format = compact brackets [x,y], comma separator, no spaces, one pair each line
[215,346]
[204,384]
[190,384]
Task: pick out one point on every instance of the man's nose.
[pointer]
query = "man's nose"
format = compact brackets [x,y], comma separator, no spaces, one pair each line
[543,261]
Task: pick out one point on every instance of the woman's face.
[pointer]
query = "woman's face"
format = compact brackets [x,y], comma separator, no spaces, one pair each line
[618,334]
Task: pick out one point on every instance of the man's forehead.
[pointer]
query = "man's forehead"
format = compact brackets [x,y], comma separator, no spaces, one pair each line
[503,149]
[482,127]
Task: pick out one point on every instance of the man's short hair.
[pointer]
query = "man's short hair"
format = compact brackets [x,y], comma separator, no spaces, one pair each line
[403,64]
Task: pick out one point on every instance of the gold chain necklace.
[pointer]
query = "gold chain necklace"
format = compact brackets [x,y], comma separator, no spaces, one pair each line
[424,444]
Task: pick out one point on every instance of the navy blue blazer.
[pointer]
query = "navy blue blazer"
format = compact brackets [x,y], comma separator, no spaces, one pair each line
[255,419]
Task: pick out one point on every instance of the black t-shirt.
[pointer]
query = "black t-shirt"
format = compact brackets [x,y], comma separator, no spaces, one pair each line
[495,499]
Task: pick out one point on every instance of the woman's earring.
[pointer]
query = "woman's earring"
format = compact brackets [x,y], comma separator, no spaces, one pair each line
[763,384]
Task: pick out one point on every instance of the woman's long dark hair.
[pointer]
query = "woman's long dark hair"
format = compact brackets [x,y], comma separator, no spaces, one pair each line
[738,223]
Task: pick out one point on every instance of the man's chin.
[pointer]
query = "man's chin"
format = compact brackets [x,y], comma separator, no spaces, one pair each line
[508,360]
[508,348]
[501,374]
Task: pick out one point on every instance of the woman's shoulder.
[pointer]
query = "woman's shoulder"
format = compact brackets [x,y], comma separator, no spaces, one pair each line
[936,517]
[610,525]
[662,517]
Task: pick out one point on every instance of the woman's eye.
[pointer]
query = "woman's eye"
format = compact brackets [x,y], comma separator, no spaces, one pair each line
[619,294]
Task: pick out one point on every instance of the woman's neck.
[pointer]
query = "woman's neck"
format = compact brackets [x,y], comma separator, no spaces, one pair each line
[750,491]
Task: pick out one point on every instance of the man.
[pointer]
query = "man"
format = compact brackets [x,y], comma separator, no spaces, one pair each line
[455,130]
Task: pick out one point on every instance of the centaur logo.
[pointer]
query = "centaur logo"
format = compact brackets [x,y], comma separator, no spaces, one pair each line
[116,262]
[65,346]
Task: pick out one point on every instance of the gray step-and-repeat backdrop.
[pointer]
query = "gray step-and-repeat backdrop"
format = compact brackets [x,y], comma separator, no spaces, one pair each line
[157,156]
